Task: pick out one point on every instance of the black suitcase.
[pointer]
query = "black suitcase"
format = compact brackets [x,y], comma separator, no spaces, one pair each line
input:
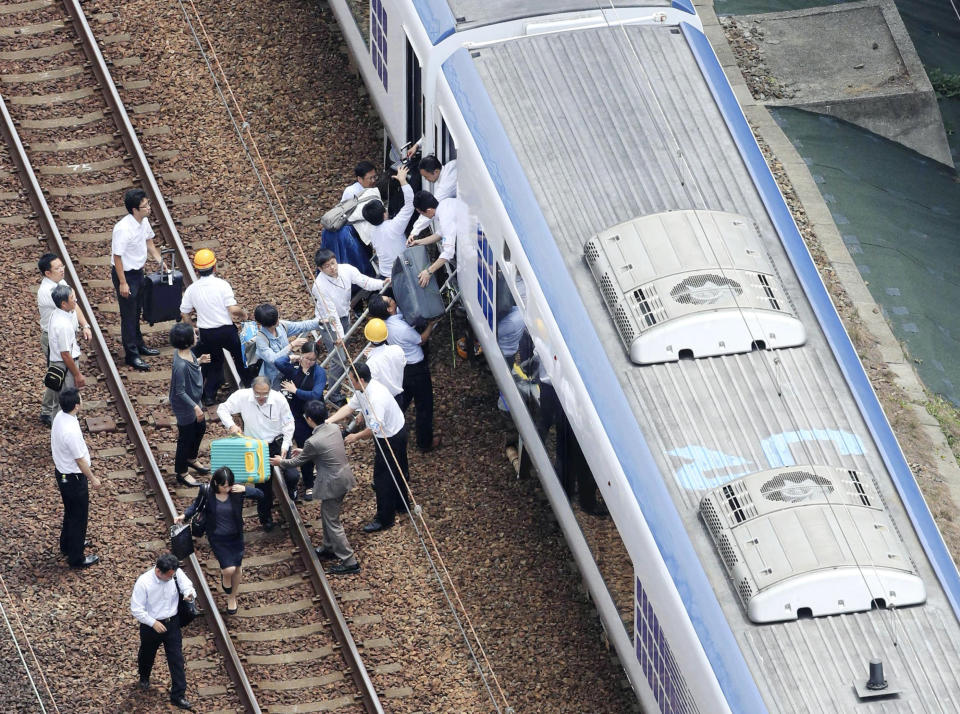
[162,292]
[417,304]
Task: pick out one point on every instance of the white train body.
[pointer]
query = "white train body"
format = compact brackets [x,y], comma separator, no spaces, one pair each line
[765,622]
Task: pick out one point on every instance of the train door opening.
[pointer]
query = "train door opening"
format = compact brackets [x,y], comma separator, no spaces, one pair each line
[414,94]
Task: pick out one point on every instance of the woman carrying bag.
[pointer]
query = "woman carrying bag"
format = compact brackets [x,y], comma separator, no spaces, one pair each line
[224,527]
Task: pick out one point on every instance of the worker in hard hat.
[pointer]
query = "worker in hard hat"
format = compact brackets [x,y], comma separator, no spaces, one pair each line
[211,297]
[386,361]
[131,242]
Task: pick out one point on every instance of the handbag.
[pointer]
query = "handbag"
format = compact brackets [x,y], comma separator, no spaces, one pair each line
[54,377]
[187,610]
[198,523]
[181,541]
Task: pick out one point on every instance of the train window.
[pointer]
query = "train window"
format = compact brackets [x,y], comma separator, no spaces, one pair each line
[414,95]
[378,40]
[486,269]
[447,149]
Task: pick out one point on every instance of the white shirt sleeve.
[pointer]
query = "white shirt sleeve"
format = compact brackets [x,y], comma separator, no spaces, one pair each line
[357,278]
[186,586]
[138,604]
[288,426]
[230,407]
[186,302]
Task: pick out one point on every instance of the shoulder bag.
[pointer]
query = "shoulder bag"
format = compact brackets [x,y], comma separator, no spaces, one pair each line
[198,524]
[187,610]
[54,377]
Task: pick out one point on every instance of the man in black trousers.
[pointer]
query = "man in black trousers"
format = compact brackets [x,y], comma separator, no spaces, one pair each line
[132,241]
[155,603]
[71,461]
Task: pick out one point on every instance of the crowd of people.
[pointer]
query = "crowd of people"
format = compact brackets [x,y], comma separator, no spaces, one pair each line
[282,398]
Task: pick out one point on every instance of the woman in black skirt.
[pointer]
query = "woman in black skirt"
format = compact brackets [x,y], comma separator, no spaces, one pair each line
[224,511]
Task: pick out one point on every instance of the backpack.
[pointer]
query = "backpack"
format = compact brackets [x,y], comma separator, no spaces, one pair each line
[248,343]
[339,216]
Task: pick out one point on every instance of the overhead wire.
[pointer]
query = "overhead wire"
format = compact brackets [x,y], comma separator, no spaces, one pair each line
[690,178]
[33,654]
[276,204]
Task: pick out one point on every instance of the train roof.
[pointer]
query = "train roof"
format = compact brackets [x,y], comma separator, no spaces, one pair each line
[587,126]
[443,17]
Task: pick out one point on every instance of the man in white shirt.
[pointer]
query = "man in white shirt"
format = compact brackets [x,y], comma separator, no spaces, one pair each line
[332,291]
[266,415]
[386,362]
[132,241]
[212,299]
[155,602]
[388,236]
[453,223]
[384,422]
[51,268]
[62,337]
[444,180]
[366,174]
[71,463]
[417,383]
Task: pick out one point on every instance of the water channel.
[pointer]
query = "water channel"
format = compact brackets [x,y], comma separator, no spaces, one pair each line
[898,212]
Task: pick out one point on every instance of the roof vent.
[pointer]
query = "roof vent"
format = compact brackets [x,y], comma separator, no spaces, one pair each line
[809,538]
[691,281]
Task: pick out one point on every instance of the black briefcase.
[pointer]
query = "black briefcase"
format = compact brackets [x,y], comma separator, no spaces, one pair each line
[162,292]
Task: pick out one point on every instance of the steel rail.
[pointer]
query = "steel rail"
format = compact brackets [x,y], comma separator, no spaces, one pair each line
[124,406]
[297,530]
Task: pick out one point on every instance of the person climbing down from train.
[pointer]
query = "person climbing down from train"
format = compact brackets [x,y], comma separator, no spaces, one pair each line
[324,449]
[444,180]
[273,339]
[453,224]
[332,291]
[303,382]
[417,384]
[222,501]
[384,422]
[51,268]
[366,174]
[388,239]
[186,390]
[212,299]
[386,361]
[131,242]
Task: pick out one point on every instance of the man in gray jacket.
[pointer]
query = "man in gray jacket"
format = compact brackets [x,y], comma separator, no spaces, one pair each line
[334,478]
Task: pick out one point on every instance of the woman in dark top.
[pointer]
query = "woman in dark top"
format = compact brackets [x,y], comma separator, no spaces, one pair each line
[224,511]
[302,383]
[186,386]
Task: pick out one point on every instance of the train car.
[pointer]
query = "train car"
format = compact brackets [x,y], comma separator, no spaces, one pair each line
[778,540]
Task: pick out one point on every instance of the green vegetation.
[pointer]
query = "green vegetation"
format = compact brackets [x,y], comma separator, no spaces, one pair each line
[944,84]
[949,418]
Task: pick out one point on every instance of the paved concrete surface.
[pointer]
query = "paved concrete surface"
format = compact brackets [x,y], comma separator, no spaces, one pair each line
[856,62]
[836,251]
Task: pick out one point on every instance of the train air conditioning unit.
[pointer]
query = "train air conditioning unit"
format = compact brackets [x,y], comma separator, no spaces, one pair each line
[809,540]
[691,284]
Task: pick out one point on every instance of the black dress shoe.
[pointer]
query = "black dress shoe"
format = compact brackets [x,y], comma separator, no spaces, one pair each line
[86,562]
[181,478]
[148,351]
[46,420]
[374,526]
[182,703]
[144,685]
[343,569]
[324,554]
[269,526]
[138,364]
[209,401]
[198,468]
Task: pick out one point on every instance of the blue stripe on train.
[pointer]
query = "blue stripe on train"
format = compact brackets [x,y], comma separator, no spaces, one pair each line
[618,421]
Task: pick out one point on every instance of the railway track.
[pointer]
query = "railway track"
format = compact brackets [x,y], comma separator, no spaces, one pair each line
[74,147]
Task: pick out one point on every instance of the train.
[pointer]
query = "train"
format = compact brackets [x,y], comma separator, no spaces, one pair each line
[783,556]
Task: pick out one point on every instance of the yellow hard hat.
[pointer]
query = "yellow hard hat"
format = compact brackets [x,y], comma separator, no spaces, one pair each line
[375,330]
[204,259]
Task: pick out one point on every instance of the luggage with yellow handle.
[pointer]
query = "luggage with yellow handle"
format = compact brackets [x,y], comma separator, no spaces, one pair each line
[248,458]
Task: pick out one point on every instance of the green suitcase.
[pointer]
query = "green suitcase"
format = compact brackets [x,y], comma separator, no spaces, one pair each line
[248,458]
